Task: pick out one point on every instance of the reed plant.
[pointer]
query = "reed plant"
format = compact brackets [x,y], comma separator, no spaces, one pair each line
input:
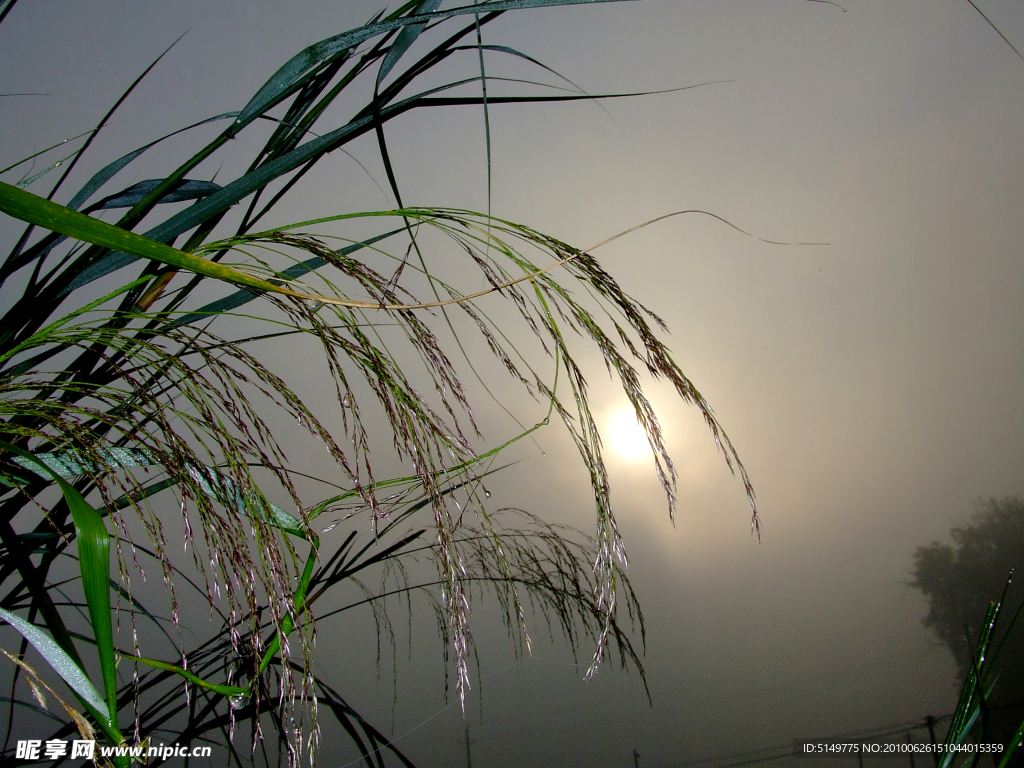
[971,737]
[134,400]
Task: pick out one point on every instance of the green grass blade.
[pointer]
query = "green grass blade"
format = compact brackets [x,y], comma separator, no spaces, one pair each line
[186,189]
[109,171]
[257,179]
[294,272]
[94,562]
[65,464]
[7,9]
[223,690]
[284,80]
[61,663]
[110,113]
[41,152]
[37,176]
[972,693]
[98,179]
[405,39]
[57,218]
[231,193]
[299,603]
[1012,747]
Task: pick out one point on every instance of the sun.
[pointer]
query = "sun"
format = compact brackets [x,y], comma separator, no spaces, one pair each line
[626,437]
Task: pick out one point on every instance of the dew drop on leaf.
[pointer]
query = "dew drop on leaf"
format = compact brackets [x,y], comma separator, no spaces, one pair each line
[346,401]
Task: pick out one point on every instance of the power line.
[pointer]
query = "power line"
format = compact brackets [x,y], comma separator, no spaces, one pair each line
[762,754]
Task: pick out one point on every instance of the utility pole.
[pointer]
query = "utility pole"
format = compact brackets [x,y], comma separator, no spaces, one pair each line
[636,758]
[930,722]
[467,741]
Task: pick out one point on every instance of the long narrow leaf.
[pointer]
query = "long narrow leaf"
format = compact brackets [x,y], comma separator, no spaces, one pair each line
[94,562]
[57,218]
[63,465]
[241,298]
[299,604]
[106,173]
[284,80]
[405,39]
[55,656]
[224,690]
[189,189]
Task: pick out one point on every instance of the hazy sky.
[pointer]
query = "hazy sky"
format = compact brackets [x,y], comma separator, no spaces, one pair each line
[872,386]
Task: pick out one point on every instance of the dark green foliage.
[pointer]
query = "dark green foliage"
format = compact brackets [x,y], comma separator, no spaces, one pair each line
[960,582]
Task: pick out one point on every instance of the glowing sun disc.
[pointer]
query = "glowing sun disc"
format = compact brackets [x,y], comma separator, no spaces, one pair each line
[627,438]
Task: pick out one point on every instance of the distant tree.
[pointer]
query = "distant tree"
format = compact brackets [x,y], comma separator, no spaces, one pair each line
[960,581]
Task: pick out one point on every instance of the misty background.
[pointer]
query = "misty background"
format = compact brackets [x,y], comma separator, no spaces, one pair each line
[872,386]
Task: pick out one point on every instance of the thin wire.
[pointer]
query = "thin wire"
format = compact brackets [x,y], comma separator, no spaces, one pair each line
[986,18]
[867,733]
[443,709]
[743,378]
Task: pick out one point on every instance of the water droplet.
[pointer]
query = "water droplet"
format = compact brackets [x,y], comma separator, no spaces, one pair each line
[543,453]
[346,402]
[546,421]
[239,700]
[58,164]
[315,306]
[487,494]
